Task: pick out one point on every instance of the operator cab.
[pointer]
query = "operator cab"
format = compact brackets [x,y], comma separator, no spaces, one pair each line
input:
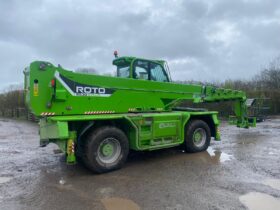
[143,69]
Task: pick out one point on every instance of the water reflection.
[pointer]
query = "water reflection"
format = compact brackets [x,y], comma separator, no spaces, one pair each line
[210,156]
[218,156]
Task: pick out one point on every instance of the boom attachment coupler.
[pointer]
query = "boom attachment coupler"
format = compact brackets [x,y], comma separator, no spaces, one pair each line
[241,118]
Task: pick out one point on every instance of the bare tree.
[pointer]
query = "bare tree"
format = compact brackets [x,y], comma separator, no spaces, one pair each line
[12,101]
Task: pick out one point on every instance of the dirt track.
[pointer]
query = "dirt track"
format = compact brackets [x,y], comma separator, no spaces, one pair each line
[241,170]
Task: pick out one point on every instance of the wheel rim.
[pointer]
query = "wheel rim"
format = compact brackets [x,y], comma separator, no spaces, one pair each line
[199,137]
[109,150]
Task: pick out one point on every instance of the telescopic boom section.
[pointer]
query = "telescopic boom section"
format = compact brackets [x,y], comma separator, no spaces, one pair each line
[141,86]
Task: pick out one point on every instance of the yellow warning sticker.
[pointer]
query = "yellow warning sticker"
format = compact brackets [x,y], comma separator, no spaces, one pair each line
[35,89]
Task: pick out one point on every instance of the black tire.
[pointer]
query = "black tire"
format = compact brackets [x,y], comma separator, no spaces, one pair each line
[194,144]
[97,157]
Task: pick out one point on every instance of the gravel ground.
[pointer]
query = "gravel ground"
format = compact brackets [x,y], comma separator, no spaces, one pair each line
[241,171]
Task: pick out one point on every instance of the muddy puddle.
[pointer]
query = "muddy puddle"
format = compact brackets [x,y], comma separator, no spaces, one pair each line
[274,183]
[260,201]
[116,203]
[218,156]
[211,155]
[5,179]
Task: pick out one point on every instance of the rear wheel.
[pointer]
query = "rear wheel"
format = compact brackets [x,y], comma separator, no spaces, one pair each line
[197,136]
[106,149]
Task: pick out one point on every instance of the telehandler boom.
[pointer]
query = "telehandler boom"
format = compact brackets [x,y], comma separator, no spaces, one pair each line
[98,119]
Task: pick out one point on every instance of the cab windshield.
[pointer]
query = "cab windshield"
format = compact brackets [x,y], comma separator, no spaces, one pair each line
[123,71]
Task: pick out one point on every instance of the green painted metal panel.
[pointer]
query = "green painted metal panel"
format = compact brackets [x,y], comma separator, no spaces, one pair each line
[88,117]
[60,95]
[158,130]
[166,128]
[147,131]
[53,129]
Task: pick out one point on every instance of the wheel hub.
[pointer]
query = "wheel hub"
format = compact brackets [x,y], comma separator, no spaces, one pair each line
[109,150]
[199,137]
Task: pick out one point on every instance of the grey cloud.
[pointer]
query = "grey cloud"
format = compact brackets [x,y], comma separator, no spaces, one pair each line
[195,9]
[239,9]
[203,40]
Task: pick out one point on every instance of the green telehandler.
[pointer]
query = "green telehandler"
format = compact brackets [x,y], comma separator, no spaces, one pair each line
[99,119]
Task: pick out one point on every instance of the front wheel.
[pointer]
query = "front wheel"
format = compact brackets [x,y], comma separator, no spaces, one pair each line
[106,149]
[197,136]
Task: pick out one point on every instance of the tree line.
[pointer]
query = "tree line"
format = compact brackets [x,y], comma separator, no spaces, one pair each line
[265,85]
[12,102]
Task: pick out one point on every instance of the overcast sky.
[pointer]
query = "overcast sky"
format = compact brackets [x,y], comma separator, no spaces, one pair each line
[202,40]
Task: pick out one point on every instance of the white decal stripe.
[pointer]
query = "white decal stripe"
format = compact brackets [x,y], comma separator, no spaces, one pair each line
[97,94]
[57,76]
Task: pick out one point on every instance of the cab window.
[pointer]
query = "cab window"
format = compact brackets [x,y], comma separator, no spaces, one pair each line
[141,70]
[157,73]
[123,71]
